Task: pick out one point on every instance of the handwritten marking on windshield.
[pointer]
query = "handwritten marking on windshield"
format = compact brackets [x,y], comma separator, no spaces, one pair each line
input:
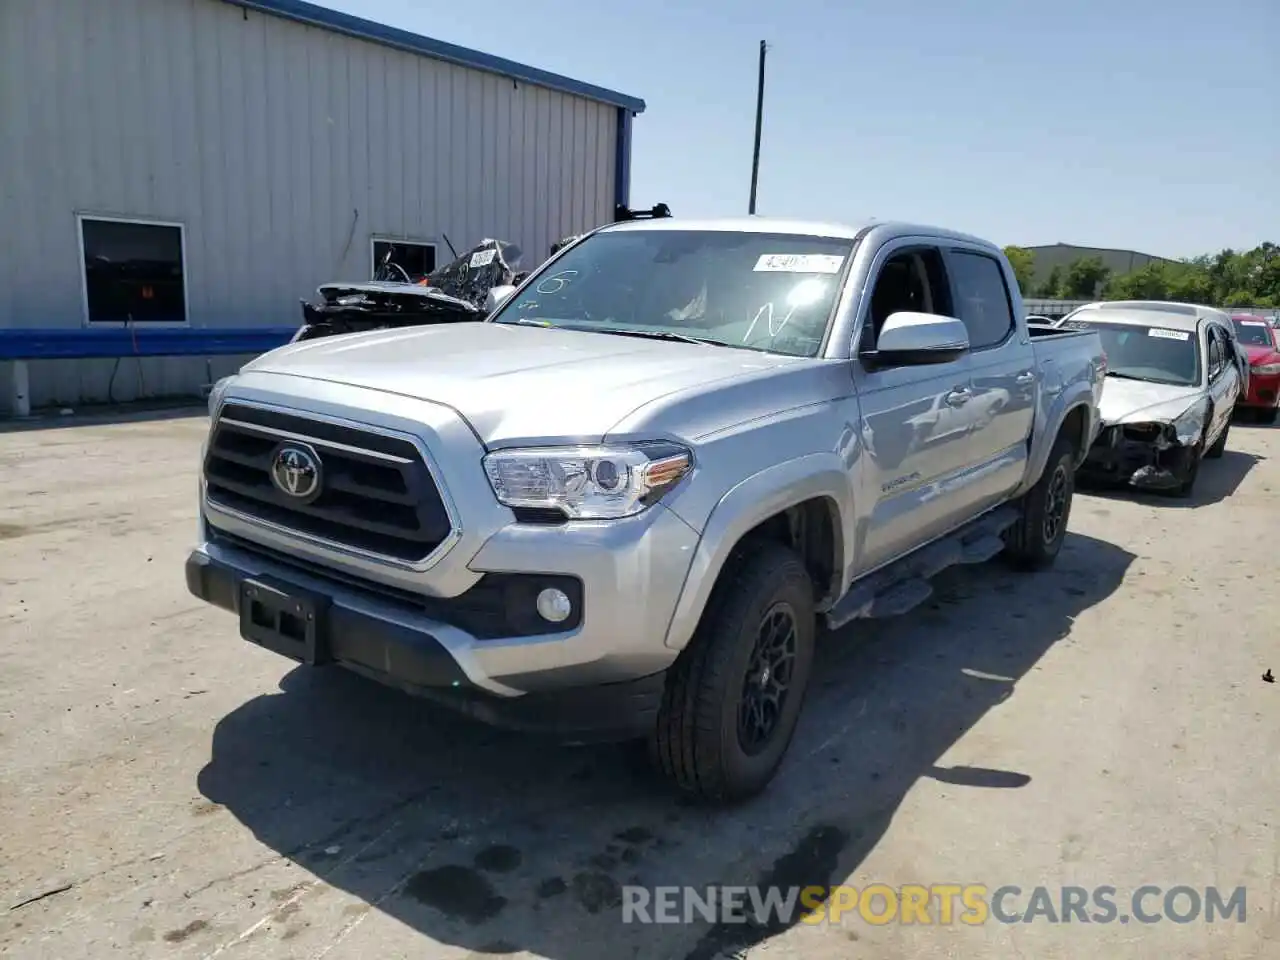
[766,311]
[556,282]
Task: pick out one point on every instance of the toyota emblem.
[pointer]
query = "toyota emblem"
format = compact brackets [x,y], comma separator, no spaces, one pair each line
[295,471]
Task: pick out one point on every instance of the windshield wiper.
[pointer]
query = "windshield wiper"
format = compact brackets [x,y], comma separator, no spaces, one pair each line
[1159,380]
[650,334]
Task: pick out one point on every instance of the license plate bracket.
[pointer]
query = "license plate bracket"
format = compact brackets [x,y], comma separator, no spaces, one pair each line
[285,620]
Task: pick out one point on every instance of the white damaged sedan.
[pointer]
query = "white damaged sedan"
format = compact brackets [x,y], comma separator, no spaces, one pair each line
[1173,378]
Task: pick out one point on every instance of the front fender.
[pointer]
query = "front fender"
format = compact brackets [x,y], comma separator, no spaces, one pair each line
[1077,394]
[745,507]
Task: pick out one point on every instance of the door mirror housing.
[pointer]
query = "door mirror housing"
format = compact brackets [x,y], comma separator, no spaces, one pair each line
[909,338]
[497,296]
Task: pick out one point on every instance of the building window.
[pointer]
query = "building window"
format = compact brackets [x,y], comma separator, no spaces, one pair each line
[402,260]
[133,271]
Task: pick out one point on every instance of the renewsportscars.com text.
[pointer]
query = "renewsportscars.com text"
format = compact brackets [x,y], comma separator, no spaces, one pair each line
[943,904]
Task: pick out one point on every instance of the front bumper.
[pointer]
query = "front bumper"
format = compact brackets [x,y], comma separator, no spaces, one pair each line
[1127,457]
[1264,392]
[402,622]
[388,640]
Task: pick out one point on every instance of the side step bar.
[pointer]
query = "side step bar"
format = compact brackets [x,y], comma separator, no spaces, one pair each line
[904,584]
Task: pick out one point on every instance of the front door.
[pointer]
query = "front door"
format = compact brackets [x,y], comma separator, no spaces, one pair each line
[1224,380]
[916,420]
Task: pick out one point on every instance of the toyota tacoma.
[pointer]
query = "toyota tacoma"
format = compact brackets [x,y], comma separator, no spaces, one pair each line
[622,505]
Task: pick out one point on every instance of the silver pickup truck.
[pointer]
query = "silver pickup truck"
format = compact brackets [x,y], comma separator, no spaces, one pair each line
[623,505]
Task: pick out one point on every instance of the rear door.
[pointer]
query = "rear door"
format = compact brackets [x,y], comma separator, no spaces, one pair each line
[1002,370]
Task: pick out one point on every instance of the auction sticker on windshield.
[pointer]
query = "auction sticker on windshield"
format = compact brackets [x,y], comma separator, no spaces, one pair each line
[482,258]
[1168,334]
[798,263]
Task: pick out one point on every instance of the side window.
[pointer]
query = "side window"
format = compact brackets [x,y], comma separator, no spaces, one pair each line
[982,298]
[913,281]
[1217,353]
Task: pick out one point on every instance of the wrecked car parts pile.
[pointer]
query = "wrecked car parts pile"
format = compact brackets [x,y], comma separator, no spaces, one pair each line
[455,293]
[452,294]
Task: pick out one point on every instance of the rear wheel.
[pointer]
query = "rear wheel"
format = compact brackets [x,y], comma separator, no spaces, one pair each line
[734,696]
[1034,541]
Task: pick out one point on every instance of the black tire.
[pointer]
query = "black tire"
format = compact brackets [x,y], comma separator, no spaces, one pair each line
[698,742]
[1268,416]
[1220,445]
[1034,541]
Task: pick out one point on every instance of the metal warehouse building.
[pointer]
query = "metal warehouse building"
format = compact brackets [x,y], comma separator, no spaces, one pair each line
[173,172]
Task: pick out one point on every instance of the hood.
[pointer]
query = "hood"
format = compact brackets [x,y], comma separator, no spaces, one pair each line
[1260,354]
[1140,401]
[518,383]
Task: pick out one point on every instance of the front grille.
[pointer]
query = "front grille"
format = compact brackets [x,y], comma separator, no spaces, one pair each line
[376,493]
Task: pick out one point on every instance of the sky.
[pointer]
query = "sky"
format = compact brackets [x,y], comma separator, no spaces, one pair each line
[1151,125]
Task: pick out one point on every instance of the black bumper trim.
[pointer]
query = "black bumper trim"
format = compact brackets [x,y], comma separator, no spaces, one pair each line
[414,661]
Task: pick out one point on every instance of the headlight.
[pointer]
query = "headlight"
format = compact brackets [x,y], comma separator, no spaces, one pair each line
[1267,368]
[216,392]
[587,483]
[1188,426]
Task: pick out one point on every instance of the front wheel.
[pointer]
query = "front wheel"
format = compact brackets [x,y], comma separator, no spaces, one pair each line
[1188,484]
[1220,445]
[733,698]
[1033,542]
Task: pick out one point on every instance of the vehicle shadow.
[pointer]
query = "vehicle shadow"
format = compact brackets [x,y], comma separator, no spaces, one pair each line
[1218,479]
[498,843]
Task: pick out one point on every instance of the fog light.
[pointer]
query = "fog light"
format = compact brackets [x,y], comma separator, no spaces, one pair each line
[554,605]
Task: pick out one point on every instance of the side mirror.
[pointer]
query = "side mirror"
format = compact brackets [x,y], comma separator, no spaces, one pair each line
[909,338]
[496,297]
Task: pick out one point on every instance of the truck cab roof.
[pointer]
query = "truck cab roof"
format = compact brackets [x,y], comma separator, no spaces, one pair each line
[886,230]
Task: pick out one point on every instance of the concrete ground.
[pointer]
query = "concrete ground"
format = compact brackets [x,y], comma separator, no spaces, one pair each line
[166,790]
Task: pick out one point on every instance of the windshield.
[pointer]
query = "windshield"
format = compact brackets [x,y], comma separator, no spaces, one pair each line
[1139,352]
[758,291]
[1253,334]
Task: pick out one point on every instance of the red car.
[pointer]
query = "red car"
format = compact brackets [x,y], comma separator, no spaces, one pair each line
[1257,337]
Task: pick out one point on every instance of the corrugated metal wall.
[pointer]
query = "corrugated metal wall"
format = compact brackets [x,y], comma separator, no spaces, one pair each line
[281,148]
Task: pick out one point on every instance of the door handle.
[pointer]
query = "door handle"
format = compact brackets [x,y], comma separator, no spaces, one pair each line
[958,397]
[1023,379]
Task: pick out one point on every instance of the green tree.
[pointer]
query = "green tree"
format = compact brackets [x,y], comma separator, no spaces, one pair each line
[1051,289]
[1228,278]
[1187,283]
[1148,282]
[1023,262]
[1084,278]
